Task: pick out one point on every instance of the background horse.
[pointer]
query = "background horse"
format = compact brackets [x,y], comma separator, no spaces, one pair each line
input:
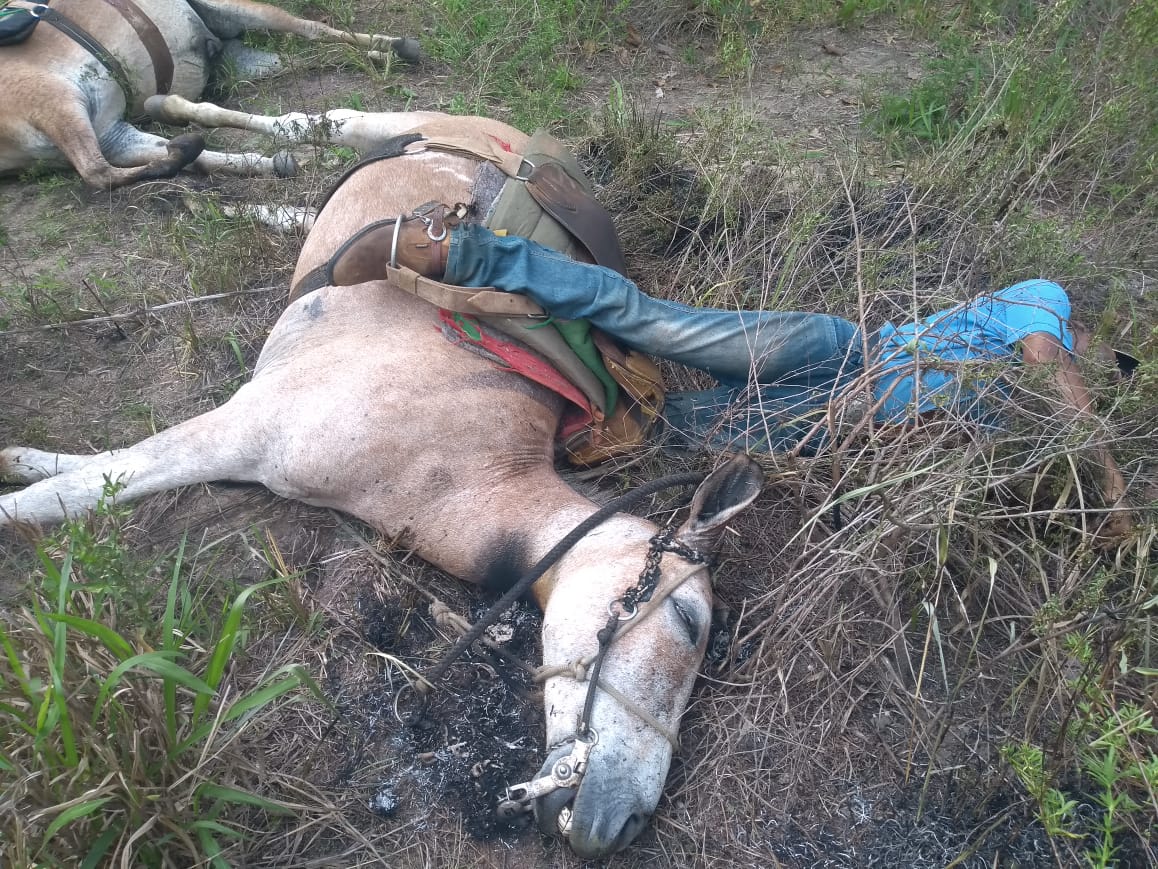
[63,105]
[359,403]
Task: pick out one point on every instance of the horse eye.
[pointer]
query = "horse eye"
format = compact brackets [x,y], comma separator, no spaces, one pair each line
[688,620]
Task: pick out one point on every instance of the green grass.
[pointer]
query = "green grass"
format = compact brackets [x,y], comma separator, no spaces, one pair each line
[1115,747]
[120,726]
[1065,101]
[525,56]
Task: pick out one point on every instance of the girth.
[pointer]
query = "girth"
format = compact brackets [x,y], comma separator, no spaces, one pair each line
[151,38]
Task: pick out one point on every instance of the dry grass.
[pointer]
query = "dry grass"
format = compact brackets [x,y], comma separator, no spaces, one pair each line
[865,675]
[881,661]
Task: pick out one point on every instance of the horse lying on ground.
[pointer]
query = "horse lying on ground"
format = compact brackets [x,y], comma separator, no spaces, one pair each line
[66,102]
[359,403]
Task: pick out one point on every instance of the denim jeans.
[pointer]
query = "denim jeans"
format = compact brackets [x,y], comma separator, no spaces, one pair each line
[777,369]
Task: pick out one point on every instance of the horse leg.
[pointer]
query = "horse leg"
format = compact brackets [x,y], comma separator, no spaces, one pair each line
[229,18]
[361,131]
[26,465]
[251,63]
[63,119]
[221,444]
[125,145]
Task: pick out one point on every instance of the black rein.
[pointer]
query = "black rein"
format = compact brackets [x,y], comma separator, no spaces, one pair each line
[617,505]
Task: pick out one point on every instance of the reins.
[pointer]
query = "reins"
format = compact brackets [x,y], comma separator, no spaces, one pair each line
[504,603]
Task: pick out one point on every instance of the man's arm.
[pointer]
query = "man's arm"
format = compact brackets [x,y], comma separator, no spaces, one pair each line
[1042,348]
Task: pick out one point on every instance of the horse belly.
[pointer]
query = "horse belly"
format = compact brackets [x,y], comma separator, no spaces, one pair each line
[190,42]
[379,415]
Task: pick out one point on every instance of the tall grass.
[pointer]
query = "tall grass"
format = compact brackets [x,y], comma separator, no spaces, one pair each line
[1062,111]
[961,597]
[121,730]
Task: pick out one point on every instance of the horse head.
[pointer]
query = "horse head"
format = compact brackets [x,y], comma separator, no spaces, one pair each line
[623,639]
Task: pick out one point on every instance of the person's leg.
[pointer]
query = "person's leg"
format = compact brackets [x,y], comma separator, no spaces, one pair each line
[759,419]
[735,347]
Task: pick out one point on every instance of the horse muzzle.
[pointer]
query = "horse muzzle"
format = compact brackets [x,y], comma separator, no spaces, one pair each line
[597,817]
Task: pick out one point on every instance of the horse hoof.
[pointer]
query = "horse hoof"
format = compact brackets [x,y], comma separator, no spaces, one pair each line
[186,148]
[408,49]
[284,164]
[155,109]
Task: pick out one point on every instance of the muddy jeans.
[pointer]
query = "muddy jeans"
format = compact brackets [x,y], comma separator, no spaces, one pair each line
[777,369]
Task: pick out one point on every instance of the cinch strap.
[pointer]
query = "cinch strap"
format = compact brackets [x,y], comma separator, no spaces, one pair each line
[146,30]
[152,39]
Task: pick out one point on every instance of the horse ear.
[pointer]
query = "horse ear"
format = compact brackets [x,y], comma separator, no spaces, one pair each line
[727,490]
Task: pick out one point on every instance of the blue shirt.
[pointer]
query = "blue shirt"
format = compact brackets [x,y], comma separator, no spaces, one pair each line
[921,363]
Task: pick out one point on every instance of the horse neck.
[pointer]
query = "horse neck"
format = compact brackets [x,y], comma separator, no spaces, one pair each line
[617,547]
[496,530]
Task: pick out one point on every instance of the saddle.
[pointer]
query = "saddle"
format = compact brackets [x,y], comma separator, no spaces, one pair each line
[545,197]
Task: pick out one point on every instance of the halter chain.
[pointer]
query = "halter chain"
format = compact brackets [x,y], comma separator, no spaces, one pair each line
[628,608]
[567,772]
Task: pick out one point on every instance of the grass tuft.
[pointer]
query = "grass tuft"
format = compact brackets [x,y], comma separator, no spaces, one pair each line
[121,732]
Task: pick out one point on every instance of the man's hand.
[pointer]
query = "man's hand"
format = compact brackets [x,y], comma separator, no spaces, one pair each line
[1041,348]
[1117,526]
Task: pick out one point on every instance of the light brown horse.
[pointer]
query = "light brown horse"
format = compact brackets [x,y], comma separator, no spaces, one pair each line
[63,105]
[359,403]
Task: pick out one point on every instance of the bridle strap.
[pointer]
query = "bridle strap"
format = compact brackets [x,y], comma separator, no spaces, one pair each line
[586,669]
[504,603]
[613,630]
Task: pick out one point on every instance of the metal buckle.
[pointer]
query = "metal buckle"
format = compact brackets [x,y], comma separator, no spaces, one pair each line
[625,613]
[431,236]
[519,176]
[566,772]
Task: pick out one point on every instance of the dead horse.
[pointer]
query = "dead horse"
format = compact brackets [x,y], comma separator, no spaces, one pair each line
[359,403]
[63,103]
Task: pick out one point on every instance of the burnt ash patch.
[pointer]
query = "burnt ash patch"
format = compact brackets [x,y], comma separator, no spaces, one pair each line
[480,732]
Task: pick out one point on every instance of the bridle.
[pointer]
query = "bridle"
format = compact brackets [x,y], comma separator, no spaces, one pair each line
[624,502]
[625,612]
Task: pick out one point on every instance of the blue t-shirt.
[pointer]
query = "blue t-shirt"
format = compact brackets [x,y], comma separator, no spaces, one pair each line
[987,328]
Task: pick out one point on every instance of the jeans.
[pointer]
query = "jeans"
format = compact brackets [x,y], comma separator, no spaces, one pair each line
[777,369]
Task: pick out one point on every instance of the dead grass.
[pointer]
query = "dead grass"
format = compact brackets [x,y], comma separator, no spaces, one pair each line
[864,674]
[881,661]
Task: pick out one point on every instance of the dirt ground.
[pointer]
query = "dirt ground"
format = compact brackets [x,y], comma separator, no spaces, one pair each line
[70,254]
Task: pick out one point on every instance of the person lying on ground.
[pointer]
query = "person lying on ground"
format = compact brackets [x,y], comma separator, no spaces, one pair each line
[779,371]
